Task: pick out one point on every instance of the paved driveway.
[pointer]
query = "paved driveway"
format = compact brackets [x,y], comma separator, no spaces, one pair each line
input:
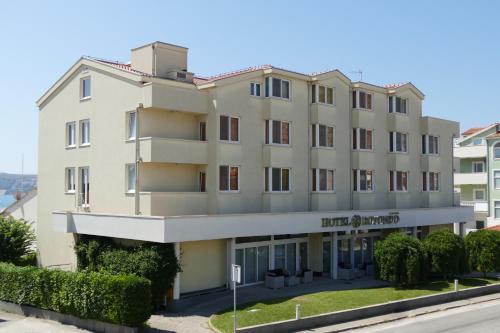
[11,323]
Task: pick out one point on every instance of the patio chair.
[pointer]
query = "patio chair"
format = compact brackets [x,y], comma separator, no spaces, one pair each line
[275,279]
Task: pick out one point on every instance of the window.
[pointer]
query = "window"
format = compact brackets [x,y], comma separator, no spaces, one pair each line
[203,131]
[496,179]
[202,182]
[362,139]
[229,178]
[477,142]
[430,181]
[497,210]
[131,125]
[277,180]
[278,131]
[84,187]
[229,129]
[478,167]
[398,105]
[255,89]
[479,194]
[130,177]
[322,136]
[479,224]
[70,134]
[323,180]
[322,94]
[361,100]
[85,88]
[277,88]
[362,180]
[398,181]
[84,132]
[496,151]
[398,142]
[430,144]
[70,180]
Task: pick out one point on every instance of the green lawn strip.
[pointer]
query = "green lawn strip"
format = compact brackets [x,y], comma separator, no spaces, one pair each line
[331,301]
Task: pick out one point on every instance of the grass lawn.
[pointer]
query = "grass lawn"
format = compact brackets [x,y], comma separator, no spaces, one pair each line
[330,301]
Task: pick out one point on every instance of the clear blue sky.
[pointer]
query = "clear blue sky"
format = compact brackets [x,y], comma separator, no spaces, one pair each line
[449,51]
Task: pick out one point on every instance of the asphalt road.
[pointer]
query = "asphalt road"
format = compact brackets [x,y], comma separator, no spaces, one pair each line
[476,318]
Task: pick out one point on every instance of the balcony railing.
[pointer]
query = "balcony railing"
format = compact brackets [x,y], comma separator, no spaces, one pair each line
[479,178]
[167,150]
[470,151]
[479,206]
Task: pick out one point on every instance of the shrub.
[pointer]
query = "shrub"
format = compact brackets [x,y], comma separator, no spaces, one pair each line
[483,250]
[156,262]
[401,260]
[118,299]
[16,239]
[446,252]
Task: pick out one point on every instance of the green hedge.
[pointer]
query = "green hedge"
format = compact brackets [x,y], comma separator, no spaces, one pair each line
[483,250]
[401,260]
[118,299]
[446,252]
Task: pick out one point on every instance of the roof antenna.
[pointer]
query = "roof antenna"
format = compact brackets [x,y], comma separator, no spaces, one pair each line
[360,73]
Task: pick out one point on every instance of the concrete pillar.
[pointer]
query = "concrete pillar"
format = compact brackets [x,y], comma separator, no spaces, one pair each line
[353,241]
[456,228]
[177,280]
[335,256]
[414,232]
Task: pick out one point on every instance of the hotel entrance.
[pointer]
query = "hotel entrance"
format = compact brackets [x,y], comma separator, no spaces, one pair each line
[257,255]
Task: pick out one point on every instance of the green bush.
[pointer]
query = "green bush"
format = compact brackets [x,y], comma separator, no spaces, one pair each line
[446,252]
[118,299]
[483,250]
[401,260]
[16,239]
[156,262]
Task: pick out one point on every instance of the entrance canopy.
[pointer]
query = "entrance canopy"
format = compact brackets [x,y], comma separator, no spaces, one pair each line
[205,227]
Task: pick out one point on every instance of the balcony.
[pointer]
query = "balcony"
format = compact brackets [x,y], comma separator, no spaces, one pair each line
[470,151]
[174,203]
[479,178]
[164,150]
[479,206]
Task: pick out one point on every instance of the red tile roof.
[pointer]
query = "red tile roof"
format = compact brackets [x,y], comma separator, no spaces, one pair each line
[493,136]
[394,85]
[495,227]
[472,130]
[117,64]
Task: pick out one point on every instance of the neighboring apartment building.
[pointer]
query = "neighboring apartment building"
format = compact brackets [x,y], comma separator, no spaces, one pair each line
[477,174]
[264,167]
[24,208]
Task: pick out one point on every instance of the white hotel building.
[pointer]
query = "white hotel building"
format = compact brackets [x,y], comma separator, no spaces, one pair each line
[264,167]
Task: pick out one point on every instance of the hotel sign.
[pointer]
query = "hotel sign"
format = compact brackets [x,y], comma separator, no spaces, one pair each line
[357,221]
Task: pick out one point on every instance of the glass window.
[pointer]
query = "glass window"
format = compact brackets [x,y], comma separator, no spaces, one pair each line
[327,255]
[398,142]
[362,139]
[496,179]
[479,194]
[362,100]
[279,131]
[323,180]
[363,180]
[322,135]
[229,129]
[477,167]
[279,256]
[131,125]
[85,92]
[398,104]
[291,258]
[130,177]
[84,189]
[303,264]
[70,134]
[430,181]
[344,253]
[255,89]
[228,178]
[398,181]
[278,179]
[277,88]
[85,132]
[70,180]
[430,144]
[497,209]
[496,151]
[203,131]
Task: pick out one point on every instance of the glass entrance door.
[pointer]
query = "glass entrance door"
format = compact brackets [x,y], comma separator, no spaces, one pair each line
[327,256]
[254,262]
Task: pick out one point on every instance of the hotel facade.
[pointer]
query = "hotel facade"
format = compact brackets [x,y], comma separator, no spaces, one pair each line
[264,167]
[477,175]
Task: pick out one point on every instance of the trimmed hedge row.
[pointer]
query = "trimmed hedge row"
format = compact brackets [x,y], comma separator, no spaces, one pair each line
[118,299]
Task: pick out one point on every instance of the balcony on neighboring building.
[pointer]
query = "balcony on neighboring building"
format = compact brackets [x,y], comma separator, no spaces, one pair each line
[479,206]
[473,178]
[470,151]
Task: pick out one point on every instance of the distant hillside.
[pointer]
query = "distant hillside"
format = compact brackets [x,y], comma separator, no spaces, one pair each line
[11,183]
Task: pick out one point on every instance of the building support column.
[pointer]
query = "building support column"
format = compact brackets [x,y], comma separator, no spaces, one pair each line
[414,232]
[351,249]
[232,260]
[335,256]
[177,280]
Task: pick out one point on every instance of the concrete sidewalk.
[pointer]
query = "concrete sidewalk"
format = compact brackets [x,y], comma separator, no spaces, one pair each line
[195,318]
[12,323]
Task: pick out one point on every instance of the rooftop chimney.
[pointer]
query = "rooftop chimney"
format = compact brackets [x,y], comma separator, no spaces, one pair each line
[159,59]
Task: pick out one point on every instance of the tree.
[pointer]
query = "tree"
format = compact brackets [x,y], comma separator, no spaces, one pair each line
[483,250]
[401,260]
[16,239]
[446,253]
